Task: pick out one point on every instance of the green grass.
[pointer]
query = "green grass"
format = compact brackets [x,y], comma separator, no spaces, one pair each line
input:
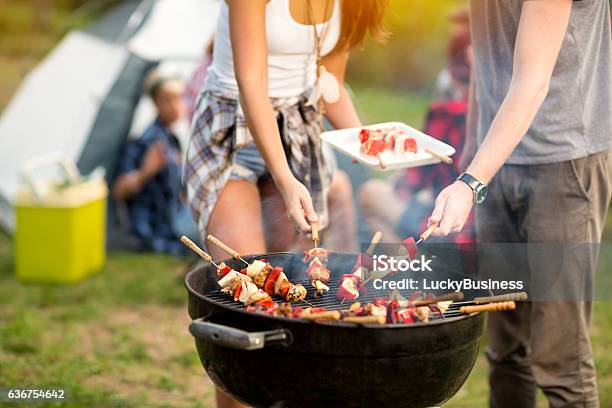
[120,338]
[117,339]
[377,105]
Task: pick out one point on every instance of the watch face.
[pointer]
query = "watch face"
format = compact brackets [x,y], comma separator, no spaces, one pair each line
[481,193]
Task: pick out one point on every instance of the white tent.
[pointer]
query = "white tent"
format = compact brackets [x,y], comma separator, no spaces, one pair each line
[82,98]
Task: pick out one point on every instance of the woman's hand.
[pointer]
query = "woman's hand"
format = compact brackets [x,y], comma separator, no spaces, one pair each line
[452,209]
[298,203]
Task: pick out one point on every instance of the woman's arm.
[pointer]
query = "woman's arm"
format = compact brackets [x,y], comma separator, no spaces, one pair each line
[250,51]
[341,114]
[540,35]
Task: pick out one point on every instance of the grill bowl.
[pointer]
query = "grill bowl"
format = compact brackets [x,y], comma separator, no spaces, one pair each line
[294,363]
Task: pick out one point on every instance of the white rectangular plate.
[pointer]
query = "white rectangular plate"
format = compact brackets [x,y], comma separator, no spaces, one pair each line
[347,142]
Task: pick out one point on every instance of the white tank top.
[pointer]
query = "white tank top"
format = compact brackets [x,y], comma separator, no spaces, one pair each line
[291,51]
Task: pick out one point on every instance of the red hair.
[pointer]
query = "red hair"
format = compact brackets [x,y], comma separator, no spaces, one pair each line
[360,17]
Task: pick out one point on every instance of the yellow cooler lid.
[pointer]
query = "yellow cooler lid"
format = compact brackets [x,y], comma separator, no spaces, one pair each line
[61,195]
[68,190]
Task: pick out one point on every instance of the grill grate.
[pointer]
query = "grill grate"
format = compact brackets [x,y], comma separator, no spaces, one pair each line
[328,301]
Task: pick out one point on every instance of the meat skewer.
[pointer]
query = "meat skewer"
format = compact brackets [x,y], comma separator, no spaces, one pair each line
[271,279]
[410,245]
[317,269]
[233,283]
[351,284]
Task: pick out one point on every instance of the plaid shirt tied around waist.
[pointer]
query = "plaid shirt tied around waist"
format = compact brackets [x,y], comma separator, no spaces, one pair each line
[219,128]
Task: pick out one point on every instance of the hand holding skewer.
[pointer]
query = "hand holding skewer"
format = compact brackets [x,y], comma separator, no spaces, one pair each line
[427,233]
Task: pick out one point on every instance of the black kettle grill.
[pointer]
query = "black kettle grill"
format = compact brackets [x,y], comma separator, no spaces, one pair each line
[267,361]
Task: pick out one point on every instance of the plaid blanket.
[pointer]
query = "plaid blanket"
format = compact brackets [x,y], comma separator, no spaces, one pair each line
[219,128]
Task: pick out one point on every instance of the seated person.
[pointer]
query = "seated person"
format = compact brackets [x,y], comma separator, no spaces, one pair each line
[400,207]
[149,175]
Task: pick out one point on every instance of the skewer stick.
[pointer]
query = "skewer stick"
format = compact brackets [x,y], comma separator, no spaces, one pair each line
[224,247]
[375,240]
[381,161]
[452,297]
[515,297]
[427,233]
[443,158]
[308,303]
[331,315]
[192,245]
[490,307]
[315,233]
[365,319]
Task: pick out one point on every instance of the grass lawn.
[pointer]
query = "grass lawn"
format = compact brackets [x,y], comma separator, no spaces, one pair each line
[120,338]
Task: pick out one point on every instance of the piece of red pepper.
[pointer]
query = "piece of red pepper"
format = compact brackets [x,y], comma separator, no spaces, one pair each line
[269,286]
[267,302]
[411,246]
[410,145]
[224,271]
[364,135]
[237,292]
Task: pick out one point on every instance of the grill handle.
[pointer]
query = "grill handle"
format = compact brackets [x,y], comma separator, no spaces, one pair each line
[239,339]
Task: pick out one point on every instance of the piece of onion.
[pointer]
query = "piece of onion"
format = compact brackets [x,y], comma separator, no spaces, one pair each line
[227,279]
[254,268]
[347,290]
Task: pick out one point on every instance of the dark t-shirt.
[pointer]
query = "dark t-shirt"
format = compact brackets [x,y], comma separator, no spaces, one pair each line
[574,120]
[151,210]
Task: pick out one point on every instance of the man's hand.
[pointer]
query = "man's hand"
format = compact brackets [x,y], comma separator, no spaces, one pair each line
[452,209]
[155,159]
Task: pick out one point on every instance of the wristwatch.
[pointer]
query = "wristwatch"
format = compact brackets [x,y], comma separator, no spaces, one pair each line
[479,188]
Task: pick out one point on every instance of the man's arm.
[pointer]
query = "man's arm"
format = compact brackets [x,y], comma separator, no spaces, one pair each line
[133,178]
[471,126]
[540,35]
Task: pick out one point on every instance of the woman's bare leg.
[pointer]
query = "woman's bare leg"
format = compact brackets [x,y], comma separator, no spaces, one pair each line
[280,233]
[225,401]
[382,208]
[341,233]
[236,220]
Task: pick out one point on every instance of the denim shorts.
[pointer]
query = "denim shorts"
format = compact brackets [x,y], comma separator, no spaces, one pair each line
[249,165]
